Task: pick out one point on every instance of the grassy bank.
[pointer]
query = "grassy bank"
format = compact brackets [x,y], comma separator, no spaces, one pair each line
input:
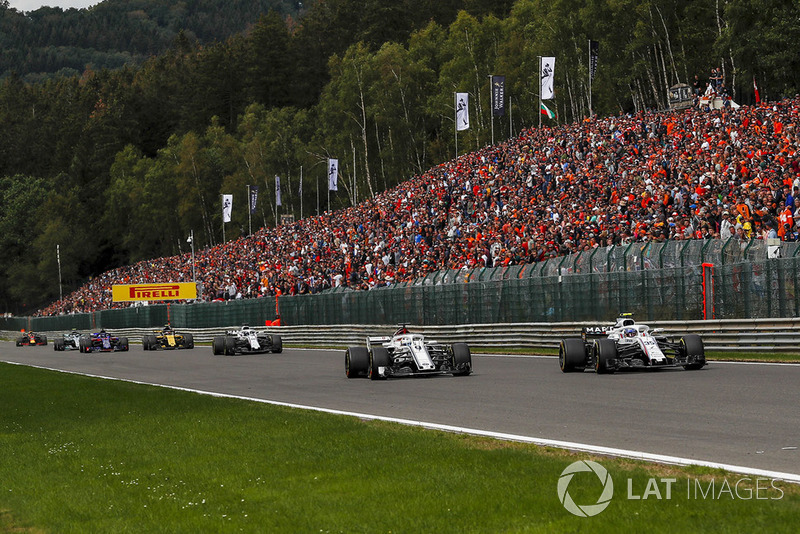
[89,455]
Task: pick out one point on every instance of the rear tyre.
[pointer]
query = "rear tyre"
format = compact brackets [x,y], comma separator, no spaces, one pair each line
[20,341]
[277,344]
[83,344]
[462,359]
[378,357]
[356,362]
[605,350]
[572,355]
[188,341]
[230,345]
[58,345]
[146,342]
[692,345]
[218,345]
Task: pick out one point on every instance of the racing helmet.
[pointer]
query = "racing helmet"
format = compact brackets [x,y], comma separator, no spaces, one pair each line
[630,332]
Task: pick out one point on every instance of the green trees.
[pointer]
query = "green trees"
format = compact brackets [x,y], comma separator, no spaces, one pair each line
[116,166]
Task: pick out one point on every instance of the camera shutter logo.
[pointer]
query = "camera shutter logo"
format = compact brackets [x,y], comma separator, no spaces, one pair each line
[585,510]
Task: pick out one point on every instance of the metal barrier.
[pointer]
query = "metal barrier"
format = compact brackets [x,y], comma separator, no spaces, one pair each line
[744,335]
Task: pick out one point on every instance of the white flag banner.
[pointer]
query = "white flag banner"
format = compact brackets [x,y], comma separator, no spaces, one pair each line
[333,174]
[227,207]
[277,190]
[462,111]
[547,75]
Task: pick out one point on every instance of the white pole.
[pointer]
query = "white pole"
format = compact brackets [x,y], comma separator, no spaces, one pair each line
[301,191]
[58,256]
[539,111]
[455,122]
[590,78]
[191,241]
[491,105]
[249,214]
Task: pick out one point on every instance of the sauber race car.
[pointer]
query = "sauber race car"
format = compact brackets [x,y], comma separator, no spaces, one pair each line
[167,338]
[628,345]
[102,342]
[31,338]
[405,354]
[246,341]
[68,341]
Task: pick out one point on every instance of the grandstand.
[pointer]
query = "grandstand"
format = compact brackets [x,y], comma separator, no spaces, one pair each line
[654,176]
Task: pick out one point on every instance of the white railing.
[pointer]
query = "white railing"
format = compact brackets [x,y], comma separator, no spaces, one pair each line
[746,335]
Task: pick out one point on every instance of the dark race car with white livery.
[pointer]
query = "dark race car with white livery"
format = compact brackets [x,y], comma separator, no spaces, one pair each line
[629,345]
[246,341]
[406,354]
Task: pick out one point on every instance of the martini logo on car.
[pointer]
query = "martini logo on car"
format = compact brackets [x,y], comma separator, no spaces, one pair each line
[585,510]
[142,292]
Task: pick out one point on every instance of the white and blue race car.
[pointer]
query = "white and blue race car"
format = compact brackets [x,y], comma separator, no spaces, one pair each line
[628,345]
[406,354]
[246,341]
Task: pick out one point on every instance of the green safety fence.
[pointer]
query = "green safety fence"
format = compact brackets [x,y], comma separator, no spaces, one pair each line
[656,281]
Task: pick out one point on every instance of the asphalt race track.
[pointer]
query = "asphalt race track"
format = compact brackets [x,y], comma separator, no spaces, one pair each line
[739,414]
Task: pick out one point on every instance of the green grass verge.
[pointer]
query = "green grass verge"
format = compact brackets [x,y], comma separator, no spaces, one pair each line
[90,455]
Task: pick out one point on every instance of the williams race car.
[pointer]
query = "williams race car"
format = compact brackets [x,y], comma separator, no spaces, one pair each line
[68,341]
[102,342]
[246,341]
[628,345]
[31,338]
[167,338]
[405,354]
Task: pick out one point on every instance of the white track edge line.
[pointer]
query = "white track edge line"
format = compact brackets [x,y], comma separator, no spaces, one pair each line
[581,447]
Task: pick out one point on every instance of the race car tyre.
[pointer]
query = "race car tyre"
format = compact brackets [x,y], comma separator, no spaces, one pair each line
[44,340]
[572,355]
[605,350]
[83,344]
[123,343]
[146,342]
[218,345]
[462,359]
[58,344]
[230,345]
[692,345]
[20,340]
[356,362]
[378,357]
[188,341]
[277,344]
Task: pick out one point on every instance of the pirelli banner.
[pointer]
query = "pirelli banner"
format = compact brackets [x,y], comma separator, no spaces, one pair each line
[140,292]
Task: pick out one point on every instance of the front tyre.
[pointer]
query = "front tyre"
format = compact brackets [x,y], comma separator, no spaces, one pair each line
[692,345]
[462,359]
[572,355]
[123,344]
[356,362]
[378,357]
[605,352]
[188,341]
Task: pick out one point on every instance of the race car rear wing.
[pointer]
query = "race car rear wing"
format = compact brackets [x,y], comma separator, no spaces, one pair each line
[595,331]
[377,339]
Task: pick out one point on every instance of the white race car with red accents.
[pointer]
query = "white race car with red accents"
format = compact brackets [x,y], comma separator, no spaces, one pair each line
[406,354]
[628,345]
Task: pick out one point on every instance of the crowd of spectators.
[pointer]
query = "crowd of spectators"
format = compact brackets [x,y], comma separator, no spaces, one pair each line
[691,174]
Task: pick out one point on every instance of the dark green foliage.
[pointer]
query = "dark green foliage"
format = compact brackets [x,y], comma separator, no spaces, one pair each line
[159,107]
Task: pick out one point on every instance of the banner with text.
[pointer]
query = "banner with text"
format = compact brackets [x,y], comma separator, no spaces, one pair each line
[141,292]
